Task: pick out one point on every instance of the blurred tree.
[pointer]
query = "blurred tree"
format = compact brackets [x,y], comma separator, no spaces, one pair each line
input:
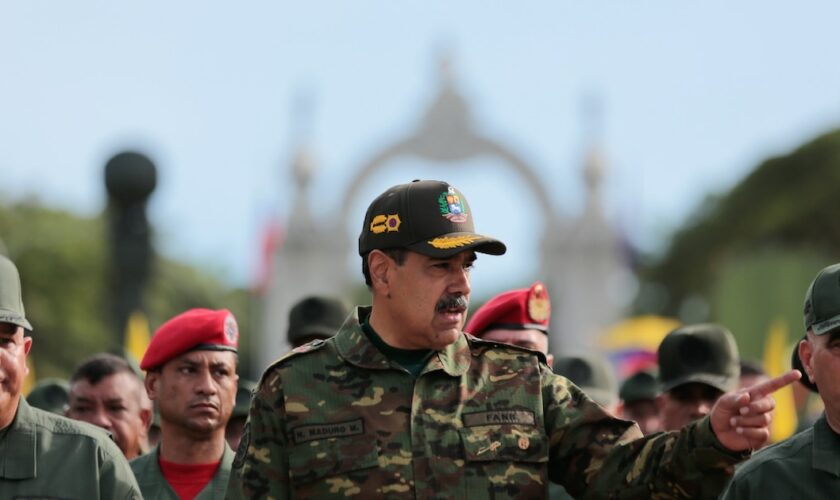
[772,231]
[62,260]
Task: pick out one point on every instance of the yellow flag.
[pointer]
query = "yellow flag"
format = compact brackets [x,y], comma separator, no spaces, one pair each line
[29,381]
[137,335]
[776,359]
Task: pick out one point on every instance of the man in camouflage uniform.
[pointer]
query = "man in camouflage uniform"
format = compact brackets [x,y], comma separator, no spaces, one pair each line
[43,455]
[402,404]
[807,465]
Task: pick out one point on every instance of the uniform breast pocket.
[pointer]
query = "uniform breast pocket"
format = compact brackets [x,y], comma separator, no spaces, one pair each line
[505,460]
[332,466]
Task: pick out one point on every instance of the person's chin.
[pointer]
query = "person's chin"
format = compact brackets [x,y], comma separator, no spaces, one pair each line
[444,338]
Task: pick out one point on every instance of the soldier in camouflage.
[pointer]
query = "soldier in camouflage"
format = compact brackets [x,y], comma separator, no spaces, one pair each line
[402,404]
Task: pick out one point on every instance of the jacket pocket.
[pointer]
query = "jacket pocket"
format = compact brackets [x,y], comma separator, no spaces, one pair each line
[315,460]
[507,443]
[505,460]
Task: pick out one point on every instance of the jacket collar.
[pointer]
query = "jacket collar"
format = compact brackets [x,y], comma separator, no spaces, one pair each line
[355,347]
[17,449]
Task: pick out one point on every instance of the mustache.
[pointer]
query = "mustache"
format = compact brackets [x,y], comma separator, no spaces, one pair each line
[451,302]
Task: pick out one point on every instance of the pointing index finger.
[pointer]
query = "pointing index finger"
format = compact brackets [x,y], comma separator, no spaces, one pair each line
[774,384]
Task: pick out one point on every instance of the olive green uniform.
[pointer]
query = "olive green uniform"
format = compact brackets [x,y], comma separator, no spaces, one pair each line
[154,485]
[43,455]
[804,466]
[483,420]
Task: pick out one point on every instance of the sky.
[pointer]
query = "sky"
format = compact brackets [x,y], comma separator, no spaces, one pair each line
[221,96]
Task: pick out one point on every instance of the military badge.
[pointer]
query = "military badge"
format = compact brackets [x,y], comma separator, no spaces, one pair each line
[451,206]
[539,307]
[383,223]
[231,329]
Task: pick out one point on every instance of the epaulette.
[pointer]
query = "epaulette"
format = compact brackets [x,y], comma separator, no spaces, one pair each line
[311,346]
[495,344]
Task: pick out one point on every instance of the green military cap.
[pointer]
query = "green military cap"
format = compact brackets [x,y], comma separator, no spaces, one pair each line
[315,317]
[641,386]
[429,217]
[704,353]
[243,397]
[11,299]
[592,374]
[822,301]
[50,394]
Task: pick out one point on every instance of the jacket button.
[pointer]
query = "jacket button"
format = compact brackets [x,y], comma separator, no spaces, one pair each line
[524,443]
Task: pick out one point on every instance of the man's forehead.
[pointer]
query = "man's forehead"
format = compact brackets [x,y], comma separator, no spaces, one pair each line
[205,356]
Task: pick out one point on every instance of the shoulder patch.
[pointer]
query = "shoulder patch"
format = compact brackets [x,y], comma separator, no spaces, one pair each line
[297,351]
[478,346]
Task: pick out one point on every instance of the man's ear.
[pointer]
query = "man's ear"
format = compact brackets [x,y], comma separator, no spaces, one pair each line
[379,265]
[806,352]
[151,382]
[549,360]
[146,418]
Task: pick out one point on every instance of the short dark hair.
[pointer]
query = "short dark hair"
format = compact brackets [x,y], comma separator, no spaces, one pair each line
[99,366]
[396,254]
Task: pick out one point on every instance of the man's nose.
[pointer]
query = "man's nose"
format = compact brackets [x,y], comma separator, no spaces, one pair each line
[99,418]
[205,383]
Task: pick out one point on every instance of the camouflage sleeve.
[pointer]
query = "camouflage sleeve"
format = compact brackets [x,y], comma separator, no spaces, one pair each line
[595,455]
[261,466]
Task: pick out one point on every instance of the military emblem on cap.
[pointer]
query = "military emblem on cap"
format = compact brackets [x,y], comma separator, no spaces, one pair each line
[231,329]
[520,309]
[382,223]
[451,206]
[539,307]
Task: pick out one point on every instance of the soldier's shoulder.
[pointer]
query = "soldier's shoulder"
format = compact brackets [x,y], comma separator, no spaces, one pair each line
[297,355]
[56,425]
[783,453]
[484,347]
[138,465]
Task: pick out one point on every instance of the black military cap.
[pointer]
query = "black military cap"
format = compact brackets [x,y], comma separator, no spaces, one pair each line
[50,394]
[641,386]
[822,301]
[704,353]
[315,317]
[592,374]
[428,217]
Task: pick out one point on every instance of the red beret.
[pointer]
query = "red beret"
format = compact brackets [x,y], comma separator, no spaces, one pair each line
[196,329]
[523,309]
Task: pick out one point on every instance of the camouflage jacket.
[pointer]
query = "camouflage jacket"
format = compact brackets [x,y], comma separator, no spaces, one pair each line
[335,418]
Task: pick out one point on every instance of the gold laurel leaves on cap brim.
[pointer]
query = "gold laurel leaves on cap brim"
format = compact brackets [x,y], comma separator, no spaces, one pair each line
[445,242]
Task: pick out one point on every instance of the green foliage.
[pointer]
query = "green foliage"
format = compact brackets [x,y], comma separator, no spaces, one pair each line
[787,202]
[63,261]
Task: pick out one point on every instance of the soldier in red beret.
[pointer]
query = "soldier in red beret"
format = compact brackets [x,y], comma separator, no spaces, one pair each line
[519,317]
[191,375]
